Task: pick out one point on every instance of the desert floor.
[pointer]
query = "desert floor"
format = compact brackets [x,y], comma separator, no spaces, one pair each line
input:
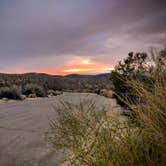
[24,124]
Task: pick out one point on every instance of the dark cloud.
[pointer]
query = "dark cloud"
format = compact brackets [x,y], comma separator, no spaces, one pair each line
[33,29]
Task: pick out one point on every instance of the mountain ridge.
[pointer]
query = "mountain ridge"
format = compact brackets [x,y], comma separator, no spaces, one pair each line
[71,81]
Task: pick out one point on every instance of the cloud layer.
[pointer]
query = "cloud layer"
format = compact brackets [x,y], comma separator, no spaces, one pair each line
[39,34]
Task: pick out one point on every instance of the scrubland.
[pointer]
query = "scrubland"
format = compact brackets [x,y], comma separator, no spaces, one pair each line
[94,136]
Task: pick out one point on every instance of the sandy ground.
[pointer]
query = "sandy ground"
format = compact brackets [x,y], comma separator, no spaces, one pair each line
[23,125]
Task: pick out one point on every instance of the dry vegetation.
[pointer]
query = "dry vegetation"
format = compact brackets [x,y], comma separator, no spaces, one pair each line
[94,137]
[12,86]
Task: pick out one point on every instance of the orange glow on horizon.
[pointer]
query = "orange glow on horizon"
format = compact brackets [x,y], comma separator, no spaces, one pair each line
[78,66]
[87,66]
[87,70]
[78,70]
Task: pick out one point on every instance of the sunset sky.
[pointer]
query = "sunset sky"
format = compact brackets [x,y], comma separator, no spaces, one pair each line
[77,36]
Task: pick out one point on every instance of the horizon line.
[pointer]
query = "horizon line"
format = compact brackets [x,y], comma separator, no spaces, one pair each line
[8,73]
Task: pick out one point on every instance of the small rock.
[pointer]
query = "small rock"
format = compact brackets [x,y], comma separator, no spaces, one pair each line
[33,95]
[22,97]
[58,92]
[109,93]
[5,99]
[53,93]
[103,92]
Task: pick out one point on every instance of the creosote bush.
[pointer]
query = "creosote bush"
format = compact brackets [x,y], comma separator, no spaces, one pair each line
[33,88]
[138,67]
[12,92]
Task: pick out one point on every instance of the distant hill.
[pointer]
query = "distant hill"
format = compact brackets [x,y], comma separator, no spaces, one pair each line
[104,75]
[72,81]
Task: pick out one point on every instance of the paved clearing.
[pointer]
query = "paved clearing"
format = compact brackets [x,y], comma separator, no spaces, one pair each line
[23,125]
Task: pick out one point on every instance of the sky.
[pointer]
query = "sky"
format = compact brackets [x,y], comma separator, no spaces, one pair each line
[77,36]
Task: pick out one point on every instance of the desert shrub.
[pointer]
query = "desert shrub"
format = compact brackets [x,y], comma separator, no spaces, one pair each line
[134,67]
[138,67]
[13,92]
[33,88]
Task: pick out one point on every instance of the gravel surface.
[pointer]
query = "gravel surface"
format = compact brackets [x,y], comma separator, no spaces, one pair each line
[23,125]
